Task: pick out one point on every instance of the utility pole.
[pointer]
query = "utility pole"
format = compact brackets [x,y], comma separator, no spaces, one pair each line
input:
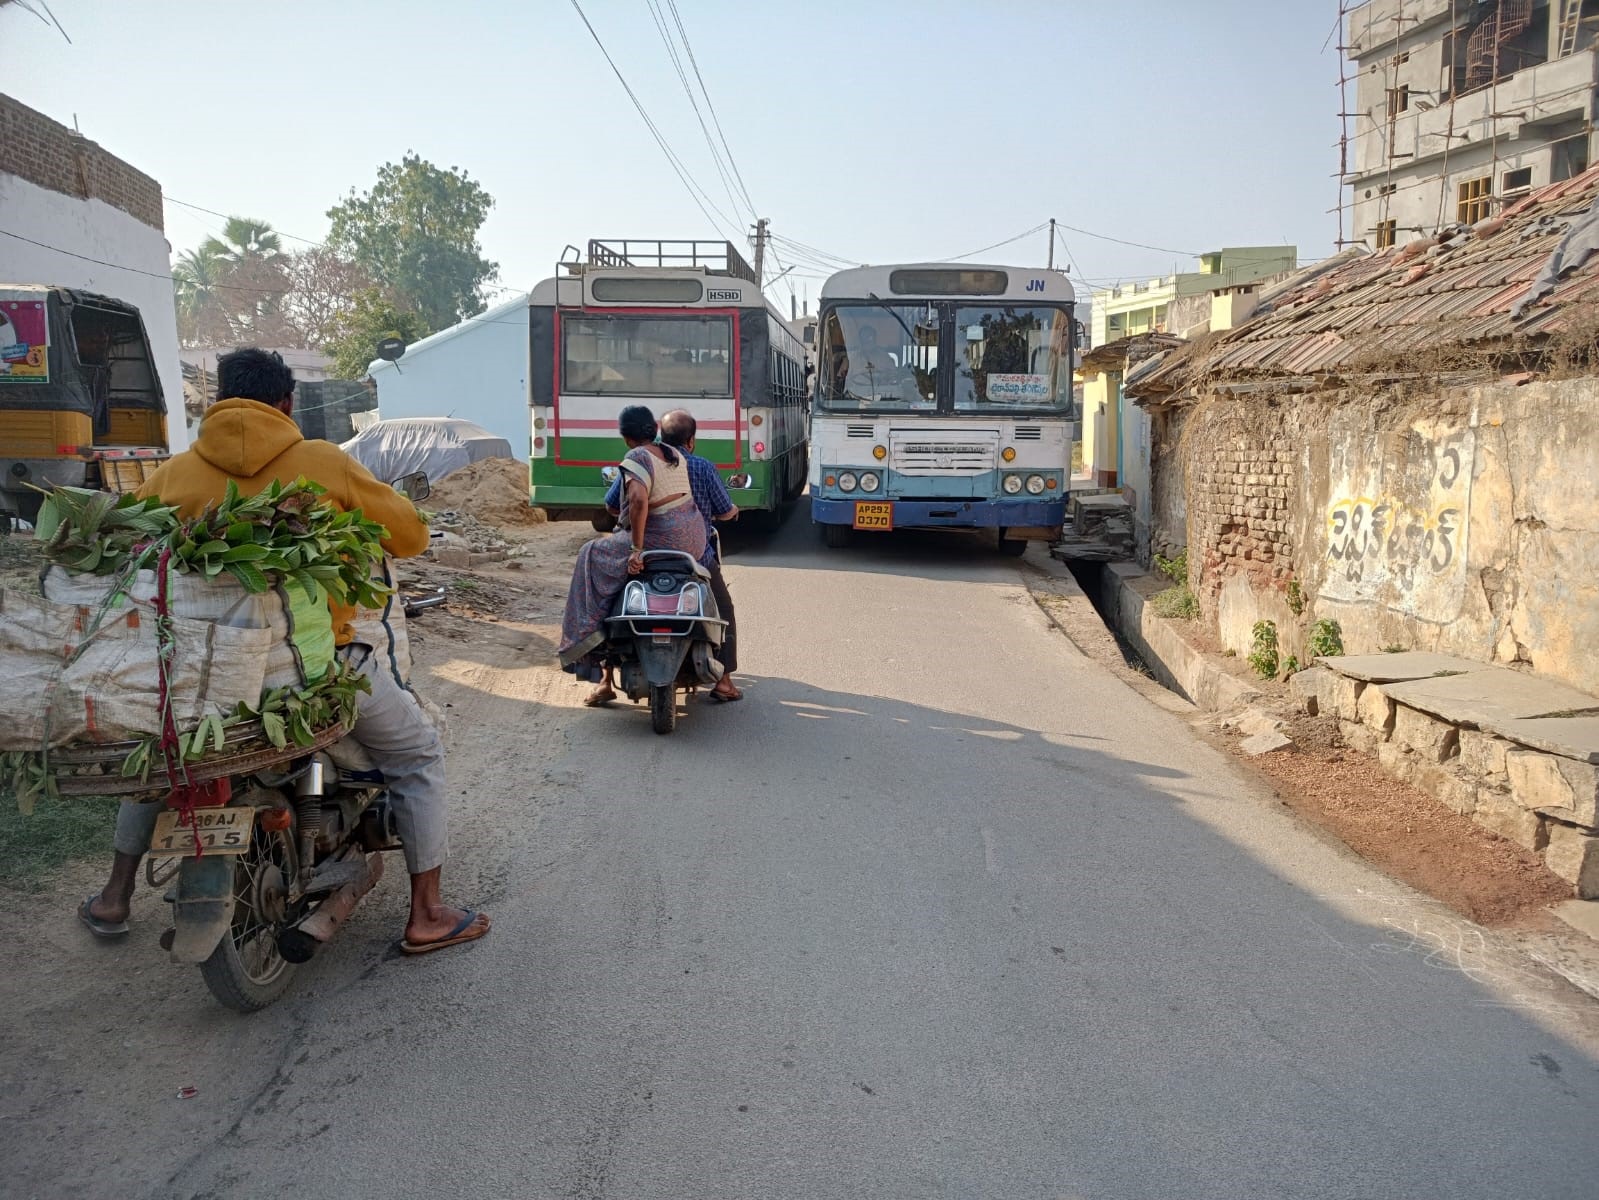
[1052,243]
[760,250]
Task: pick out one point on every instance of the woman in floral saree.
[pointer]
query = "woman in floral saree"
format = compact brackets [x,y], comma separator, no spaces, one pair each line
[660,515]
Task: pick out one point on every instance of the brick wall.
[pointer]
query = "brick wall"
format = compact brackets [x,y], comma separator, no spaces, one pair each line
[48,154]
[1240,518]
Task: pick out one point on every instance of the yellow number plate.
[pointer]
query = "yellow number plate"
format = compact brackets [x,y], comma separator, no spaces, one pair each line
[222,831]
[874,515]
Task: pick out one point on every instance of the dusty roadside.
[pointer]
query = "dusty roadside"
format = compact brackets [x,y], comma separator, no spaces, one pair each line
[84,1053]
[1339,792]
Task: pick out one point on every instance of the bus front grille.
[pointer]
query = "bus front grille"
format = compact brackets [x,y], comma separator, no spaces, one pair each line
[941,456]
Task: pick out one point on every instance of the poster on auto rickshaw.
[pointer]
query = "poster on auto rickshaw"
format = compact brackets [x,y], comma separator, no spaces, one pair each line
[24,338]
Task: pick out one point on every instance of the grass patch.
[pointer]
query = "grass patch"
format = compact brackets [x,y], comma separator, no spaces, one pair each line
[56,832]
[1178,600]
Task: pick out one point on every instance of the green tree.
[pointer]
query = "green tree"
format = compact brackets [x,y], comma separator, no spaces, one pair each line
[230,289]
[196,279]
[416,232]
[371,316]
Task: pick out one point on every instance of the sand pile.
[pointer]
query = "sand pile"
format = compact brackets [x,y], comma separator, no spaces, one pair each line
[494,490]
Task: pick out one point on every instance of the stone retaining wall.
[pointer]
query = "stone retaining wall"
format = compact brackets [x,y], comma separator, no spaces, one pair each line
[1541,801]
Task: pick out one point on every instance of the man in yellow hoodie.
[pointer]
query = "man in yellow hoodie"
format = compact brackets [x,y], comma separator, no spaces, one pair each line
[250,438]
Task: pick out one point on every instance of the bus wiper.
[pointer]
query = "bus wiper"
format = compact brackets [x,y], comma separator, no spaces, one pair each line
[889,309]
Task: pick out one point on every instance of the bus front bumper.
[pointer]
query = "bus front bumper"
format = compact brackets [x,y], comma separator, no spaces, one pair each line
[951,514]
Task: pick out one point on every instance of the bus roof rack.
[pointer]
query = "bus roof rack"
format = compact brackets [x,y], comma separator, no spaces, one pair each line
[714,258]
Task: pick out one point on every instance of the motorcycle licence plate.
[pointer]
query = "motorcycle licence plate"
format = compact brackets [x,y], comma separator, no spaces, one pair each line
[875,515]
[222,831]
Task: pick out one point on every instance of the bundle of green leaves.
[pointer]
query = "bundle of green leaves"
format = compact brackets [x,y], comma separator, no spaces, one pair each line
[96,533]
[287,532]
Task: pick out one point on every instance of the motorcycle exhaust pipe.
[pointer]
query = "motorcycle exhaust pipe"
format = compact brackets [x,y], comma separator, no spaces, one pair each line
[301,940]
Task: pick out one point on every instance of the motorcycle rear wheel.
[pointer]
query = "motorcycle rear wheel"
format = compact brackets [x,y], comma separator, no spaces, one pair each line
[663,708]
[247,972]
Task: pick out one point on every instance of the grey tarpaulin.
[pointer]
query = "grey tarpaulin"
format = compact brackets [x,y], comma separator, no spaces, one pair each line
[436,445]
[1581,240]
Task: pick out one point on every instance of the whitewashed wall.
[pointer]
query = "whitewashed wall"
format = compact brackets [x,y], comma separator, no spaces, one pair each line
[91,229]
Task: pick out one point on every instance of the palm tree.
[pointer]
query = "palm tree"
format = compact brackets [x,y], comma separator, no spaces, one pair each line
[243,239]
[197,280]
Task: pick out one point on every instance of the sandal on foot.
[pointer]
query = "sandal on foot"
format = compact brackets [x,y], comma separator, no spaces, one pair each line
[110,930]
[466,931]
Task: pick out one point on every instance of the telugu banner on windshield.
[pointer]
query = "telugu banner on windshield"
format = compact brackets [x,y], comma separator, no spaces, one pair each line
[1023,389]
[24,338]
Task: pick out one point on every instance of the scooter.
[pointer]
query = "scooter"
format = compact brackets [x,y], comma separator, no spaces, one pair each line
[664,633]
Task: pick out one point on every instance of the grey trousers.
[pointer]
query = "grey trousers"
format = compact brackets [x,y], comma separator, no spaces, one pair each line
[393,727]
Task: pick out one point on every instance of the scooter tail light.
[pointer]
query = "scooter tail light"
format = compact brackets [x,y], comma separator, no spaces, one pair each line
[688,602]
[635,601]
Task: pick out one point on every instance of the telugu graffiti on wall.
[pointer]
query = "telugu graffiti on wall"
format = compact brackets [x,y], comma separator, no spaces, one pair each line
[1397,524]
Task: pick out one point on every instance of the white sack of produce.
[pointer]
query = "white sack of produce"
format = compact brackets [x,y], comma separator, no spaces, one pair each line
[221,600]
[60,686]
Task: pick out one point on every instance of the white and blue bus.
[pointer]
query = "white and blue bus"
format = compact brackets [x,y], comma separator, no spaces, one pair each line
[943,400]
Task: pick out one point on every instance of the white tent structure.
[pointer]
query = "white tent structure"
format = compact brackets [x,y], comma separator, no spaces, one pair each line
[476,370]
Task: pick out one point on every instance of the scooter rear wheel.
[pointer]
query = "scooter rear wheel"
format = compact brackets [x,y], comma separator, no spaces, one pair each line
[247,972]
[663,708]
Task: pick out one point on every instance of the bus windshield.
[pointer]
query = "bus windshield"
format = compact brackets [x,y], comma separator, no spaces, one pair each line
[1005,357]
[880,356]
[647,356]
[1011,356]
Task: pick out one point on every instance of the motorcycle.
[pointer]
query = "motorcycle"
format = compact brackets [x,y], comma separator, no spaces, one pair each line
[663,634]
[288,849]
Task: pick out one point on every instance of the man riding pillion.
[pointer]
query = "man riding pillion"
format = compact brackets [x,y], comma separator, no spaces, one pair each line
[678,429]
[250,439]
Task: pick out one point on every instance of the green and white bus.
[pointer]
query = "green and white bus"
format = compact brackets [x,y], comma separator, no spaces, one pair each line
[944,401]
[666,324]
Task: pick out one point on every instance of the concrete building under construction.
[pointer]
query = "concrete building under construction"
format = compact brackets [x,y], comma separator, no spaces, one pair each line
[1455,109]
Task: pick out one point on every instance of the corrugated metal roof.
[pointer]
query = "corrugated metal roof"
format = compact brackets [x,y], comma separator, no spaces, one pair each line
[1453,290]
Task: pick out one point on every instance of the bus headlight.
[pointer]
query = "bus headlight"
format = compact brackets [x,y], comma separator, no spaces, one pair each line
[1035,485]
[847,481]
[869,481]
[1012,484]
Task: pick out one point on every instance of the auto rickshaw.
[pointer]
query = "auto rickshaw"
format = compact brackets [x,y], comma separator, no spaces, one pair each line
[80,400]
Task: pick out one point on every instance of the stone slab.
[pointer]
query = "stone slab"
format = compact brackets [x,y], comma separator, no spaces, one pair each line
[1581,915]
[1400,668]
[1264,743]
[1488,698]
[1569,737]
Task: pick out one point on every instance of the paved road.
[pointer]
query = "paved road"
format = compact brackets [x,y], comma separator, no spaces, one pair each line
[943,910]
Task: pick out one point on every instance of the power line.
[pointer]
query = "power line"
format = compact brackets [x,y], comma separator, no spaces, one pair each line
[677,63]
[995,246]
[693,62]
[694,190]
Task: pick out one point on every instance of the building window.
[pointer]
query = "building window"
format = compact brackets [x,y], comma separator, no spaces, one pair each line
[1474,197]
[1385,234]
[1387,189]
[1398,100]
[1516,181]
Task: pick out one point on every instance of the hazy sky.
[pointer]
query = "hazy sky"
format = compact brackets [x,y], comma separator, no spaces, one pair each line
[874,130]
